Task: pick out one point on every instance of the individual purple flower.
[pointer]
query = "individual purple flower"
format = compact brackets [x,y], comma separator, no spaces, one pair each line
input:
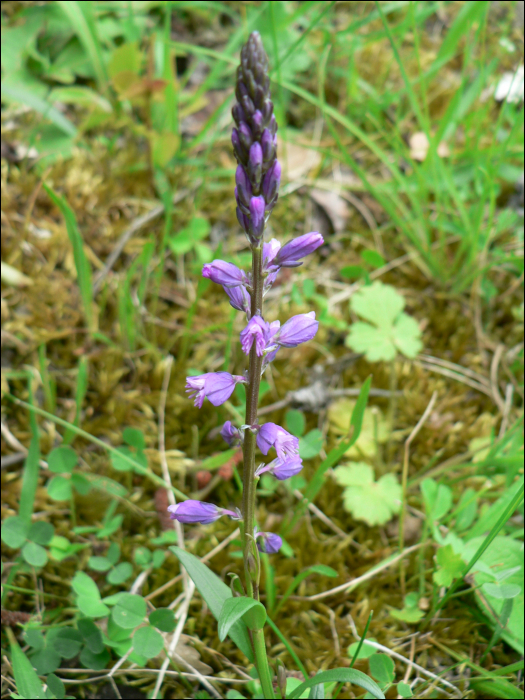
[199,512]
[255,161]
[298,329]
[225,273]
[282,468]
[270,250]
[268,542]
[217,387]
[268,281]
[255,332]
[272,435]
[239,298]
[231,434]
[291,253]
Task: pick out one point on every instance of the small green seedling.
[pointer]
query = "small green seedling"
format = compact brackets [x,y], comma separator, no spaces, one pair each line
[374,502]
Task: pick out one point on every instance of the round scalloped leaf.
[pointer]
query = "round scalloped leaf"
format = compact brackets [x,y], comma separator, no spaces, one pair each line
[120,573]
[378,303]
[93,661]
[68,643]
[148,642]
[376,343]
[91,635]
[59,488]
[374,502]
[41,532]
[45,661]
[163,619]
[407,336]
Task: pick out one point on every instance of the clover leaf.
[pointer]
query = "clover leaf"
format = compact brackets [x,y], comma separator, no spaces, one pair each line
[389,330]
[374,502]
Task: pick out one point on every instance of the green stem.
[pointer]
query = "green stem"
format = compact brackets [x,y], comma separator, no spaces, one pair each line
[261,660]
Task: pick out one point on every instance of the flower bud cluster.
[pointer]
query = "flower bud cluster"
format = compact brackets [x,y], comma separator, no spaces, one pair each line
[254,141]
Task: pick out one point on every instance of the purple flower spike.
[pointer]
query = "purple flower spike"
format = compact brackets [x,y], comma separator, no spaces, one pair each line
[291,253]
[231,434]
[271,182]
[257,206]
[298,329]
[256,331]
[217,387]
[268,146]
[224,273]
[272,435]
[243,220]
[199,512]
[282,468]
[268,542]
[239,298]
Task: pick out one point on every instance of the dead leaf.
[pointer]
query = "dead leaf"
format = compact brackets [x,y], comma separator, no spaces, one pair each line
[297,160]
[335,207]
[187,652]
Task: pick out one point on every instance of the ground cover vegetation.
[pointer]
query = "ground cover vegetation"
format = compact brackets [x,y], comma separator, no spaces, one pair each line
[401,142]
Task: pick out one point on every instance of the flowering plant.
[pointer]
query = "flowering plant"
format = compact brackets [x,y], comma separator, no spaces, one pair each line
[257,180]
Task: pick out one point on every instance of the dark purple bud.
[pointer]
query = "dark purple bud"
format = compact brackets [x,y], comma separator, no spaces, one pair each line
[243,220]
[247,105]
[258,96]
[257,207]
[239,150]
[255,160]
[273,124]
[238,113]
[268,146]
[257,121]
[240,89]
[245,136]
[271,182]
[242,207]
[244,188]
[249,80]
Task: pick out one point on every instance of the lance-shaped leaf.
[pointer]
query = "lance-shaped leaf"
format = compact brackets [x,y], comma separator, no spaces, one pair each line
[247,609]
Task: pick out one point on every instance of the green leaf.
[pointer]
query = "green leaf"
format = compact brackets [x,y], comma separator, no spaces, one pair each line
[93,661]
[142,556]
[46,661]
[382,668]
[185,240]
[41,532]
[120,573]
[148,642]
[466,510]
[25,96]
[34,554]
[311,444]
[215,592]
[352,272]
[59,488]
[122,465]
[295,422]
[134,438]
[410,611]
[158,558]
[251,611]
[163,619]
[62,459]
[404,690]
[392,330]
[509,590]
[55,685]
[88,596]
[27,682]
[340,675]
[450,566]
[113,553]
[373,258]
[14,531]
[373,502]
[498,688]
[437,498]
[68,642]
[378,303]
[366,649]
[91,635]
[80,484]
[92,608]
[130,611]
[34,637]
[99,563]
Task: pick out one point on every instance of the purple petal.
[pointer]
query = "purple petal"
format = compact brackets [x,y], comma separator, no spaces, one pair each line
[219,387]
[239,298]
[268,542]
[230,434]
[195,512]
[255,331]
[257,207]
[224,273]
[298,329]
[272,435]
[292,252]
[270,250]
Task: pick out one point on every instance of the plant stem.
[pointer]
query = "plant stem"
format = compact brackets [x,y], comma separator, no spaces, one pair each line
[261,660]
[249,483]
